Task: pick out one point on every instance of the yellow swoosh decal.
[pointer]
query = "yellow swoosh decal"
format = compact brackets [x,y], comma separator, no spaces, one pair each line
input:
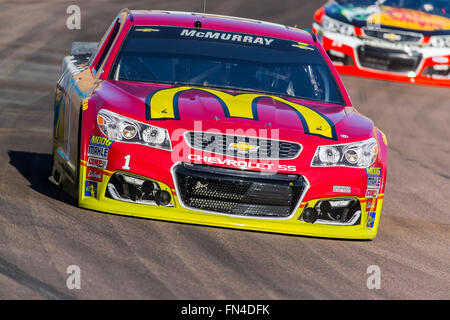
[163,105]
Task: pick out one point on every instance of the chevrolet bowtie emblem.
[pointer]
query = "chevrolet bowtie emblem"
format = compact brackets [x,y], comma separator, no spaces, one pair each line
[392,37]
[243,147]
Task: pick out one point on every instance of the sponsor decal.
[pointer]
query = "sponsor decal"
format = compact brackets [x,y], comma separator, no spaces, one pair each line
[373,178]
[373,172]
[90,189]
[94,174]
[101,141]
[373,182]
[358,13]
[97,163]
[147,30]
[302,45]
[371,219]
[100,152]
[201,186]
[395,17]
[342,189]
[225,36]
[241,164]
[371,205]
[410,19]
[164,105]
[440,59]
[372,193]
[99,147]
[85,104]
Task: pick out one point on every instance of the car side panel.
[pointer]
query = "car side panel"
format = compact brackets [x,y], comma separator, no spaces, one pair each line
[69,97]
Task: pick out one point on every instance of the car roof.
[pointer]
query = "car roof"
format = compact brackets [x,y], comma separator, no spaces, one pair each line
[219,22]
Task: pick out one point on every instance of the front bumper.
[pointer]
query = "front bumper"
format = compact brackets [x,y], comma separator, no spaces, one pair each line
[358,56]
[92,195]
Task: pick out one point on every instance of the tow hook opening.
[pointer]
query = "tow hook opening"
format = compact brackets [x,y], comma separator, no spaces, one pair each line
[130,188]
[334,212]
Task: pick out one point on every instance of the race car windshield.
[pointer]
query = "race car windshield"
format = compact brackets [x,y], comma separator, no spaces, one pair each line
[436,7]
[219,59]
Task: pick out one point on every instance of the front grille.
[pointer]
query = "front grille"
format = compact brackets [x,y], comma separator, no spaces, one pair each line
[388,59]
[393,36]
[235,146]
[238,192]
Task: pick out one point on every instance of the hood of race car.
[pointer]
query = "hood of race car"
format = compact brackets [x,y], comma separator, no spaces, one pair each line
[429,23]
[205,109]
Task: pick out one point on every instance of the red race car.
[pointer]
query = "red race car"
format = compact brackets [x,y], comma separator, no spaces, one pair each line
[399,40]
[218,121]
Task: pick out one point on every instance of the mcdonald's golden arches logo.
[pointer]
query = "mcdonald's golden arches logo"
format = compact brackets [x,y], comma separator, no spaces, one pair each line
[163,105]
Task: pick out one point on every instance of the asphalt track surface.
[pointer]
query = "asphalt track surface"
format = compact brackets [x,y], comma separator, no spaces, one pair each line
[42,232]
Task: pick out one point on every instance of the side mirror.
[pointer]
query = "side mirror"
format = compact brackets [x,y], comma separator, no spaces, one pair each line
[83,48]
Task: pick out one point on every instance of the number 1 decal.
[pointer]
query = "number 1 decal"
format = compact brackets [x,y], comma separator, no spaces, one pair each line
[126,166]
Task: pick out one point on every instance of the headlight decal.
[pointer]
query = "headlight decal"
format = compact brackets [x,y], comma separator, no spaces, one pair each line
[440,41]
[360,154]
[123,129]
[333,25]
